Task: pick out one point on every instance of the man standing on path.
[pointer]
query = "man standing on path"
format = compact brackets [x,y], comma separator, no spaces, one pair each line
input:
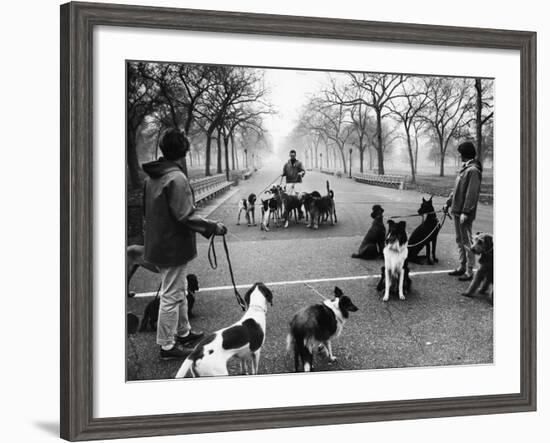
[293,171]
[463,204]
[170,240]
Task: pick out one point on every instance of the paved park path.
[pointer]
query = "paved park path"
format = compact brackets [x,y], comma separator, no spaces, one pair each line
[434,326]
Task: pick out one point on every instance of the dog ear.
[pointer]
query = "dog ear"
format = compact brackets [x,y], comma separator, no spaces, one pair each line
[431,198]
[338,292]
[489,242]
[391,222]
[402,224]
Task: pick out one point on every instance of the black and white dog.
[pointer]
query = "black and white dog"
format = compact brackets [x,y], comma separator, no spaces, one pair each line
[151,312]
[395,267]
[247,205]
[314,326]
[372,245]
[243,340]
[271,206]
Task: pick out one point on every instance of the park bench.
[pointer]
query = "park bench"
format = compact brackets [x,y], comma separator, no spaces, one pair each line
[393,181]
[247,173]
[208,187]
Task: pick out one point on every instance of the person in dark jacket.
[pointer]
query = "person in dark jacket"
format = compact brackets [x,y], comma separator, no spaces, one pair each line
[293,171]
[171,225]
[463,205]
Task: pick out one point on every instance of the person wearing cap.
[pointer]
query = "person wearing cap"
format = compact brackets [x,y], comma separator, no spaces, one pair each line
[463,205]
[293,171]
[171,225]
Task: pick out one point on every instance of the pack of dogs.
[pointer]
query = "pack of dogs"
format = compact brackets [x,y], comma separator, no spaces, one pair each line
[313,327]
[278,206]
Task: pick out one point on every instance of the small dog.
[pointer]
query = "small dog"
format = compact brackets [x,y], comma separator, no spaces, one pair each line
[271,206]
[322,206]
[151,312]
[483,246]
[132,323]
[243,340]
[247,205]
[395,261]
[315,326]
[372,245]
[425,234]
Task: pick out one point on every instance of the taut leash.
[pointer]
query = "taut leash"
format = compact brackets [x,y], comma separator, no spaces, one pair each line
[316,291]
[214,265]
[439,225]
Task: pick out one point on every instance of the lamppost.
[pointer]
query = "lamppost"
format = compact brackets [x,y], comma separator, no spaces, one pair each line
[321,161]
[350,151]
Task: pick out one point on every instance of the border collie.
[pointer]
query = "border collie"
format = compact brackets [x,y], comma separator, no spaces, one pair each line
[243,340]
[395,261]
[315,326]
[247,205]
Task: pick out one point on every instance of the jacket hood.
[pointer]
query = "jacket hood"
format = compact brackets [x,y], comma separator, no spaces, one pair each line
[160,167]
[474,164]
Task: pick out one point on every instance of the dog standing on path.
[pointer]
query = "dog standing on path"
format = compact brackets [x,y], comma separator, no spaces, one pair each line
[247,205]
[315,326]
[243,340]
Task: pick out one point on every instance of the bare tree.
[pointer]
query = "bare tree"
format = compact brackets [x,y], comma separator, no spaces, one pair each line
[407,110]
[449,101]
[484,111]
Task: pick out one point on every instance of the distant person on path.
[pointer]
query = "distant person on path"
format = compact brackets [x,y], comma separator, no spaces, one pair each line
[170,240]
[463,204]
[293,171]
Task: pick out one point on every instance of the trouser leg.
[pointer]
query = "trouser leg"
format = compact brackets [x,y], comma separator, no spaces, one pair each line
[173,305]
[459,242]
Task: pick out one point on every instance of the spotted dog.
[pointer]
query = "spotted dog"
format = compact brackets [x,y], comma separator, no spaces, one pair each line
[242,340]
[271,206]
[247,205]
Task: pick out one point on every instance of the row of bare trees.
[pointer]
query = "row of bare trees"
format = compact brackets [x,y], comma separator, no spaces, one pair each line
[369,112]
[221,105]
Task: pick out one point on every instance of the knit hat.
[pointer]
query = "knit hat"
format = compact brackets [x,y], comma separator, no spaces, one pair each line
[174,144]
[467,149]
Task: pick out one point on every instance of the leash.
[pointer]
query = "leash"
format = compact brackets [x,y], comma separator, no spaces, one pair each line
[438,226]
[214,265]
[415,215]
[264,189]
[316,291]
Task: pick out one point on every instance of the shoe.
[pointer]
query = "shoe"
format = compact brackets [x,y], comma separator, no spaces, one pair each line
[457,272]
[175,353]
[355,255]
[466,277]
[190,338]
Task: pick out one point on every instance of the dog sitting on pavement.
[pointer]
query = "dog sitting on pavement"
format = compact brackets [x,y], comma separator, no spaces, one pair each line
[395,269]
[243,340]
[482,245]
[372,245]
[313,327]
[247,205]
[425,234]
[151,312]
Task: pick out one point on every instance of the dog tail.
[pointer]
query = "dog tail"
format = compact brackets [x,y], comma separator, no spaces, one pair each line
[328,187]
[186,367]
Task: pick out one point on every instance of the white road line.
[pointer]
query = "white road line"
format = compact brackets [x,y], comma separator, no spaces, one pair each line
[299,282]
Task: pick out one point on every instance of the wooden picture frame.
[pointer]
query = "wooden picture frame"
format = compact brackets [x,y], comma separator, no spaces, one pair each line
[77,23]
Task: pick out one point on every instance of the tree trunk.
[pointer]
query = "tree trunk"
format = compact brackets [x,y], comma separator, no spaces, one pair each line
[441,163]
[207,158]
[411,156]
[379,147]
[133,162]
[219,143]
[226,147]
[232,152]
[479,124]
[415,152]
[361,159]
[343,157]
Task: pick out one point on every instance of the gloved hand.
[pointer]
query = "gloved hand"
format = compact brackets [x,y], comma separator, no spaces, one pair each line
[445,209]
[463,218]
[220,229]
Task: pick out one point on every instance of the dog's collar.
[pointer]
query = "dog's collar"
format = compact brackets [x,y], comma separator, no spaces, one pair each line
[261,308]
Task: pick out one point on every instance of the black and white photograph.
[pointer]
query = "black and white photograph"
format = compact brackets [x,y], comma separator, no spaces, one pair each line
[285,220]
